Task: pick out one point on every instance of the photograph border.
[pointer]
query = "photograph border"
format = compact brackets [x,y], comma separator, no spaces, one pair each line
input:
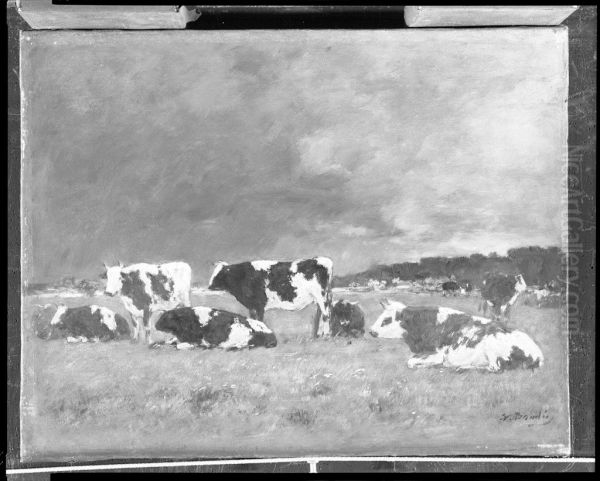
[580,267]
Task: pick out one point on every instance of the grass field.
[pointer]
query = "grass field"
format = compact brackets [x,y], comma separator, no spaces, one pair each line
[304,397]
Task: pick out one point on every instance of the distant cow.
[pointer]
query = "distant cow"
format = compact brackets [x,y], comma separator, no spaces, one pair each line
[440,336]
[88,324]
[500,292]
[450,287]
[210,328]
[466,287]
[264,285]
[148,288]
[347,319]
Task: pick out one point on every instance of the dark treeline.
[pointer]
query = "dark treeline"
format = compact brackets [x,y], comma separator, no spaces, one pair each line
[538,265]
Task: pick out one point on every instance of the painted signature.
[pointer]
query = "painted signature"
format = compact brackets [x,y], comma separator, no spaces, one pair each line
[534,418]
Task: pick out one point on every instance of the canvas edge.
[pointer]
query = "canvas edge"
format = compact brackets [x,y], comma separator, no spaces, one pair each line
[424,16]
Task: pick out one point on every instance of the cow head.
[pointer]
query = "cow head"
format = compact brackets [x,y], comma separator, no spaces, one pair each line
[387,324]
[217,280]
[520,286]
[114,283]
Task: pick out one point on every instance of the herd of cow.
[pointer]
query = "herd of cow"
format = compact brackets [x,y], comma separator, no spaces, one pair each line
[437,336]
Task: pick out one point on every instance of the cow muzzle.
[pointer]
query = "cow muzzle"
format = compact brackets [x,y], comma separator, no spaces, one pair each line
[373,333]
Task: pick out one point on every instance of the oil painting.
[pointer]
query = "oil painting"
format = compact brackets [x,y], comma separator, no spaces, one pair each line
[293,243]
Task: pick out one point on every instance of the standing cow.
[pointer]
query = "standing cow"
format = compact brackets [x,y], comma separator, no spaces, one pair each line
[500,292]
[148,288]
[292,285]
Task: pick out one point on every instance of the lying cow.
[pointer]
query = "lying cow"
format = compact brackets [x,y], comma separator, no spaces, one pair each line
[264,285]
[88,324]
[440,336]
[500,292]
[347,319]
[148,288]
[209,328]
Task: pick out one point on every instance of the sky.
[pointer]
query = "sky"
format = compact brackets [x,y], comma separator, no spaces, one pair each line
[364,146]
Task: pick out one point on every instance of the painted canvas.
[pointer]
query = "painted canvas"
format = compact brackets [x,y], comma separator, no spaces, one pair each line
[293,243]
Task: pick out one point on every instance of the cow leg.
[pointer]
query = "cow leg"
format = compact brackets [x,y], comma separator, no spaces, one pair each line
[138,327]
[146,332]
[315,323]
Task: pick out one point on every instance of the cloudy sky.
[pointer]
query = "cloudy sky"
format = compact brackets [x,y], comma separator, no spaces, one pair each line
[365,146]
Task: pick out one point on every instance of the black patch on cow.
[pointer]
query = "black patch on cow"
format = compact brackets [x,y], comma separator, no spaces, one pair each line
[79,321]
[158,285]
[264,339]
[450,286]
[182,323]
[386,321]
[123,329]
[311,268]
[518,359]
[420,324]
[279,280]
[347,320]
[133,287]
[498,289]
[218,328]
[244,283]
[451,330]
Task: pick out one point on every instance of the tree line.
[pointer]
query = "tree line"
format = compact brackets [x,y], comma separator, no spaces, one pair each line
[538,265]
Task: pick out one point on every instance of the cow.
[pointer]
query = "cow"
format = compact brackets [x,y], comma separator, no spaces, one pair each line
[87,324]
[466,287]
[450,287]
[147,288]
[347,319]
[440,336]
[213,328]
[500,292]
[290,285]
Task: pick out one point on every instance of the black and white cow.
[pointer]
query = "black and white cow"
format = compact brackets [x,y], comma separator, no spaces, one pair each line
[148,288]
[450,287]
[210,328]
[440,336]
[293,285]
[347,319]
[499,292]
[87,324]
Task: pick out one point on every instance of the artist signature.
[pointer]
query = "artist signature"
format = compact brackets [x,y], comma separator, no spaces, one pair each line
[533,418]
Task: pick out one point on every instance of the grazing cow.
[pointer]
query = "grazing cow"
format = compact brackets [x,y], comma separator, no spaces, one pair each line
[347,319]
[88,324]
[450,287]
[440,336]
[500,292]
[264,285]
[209,328]
[148,288]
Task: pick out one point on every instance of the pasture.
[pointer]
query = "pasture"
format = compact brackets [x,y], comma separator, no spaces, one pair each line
[303,397]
